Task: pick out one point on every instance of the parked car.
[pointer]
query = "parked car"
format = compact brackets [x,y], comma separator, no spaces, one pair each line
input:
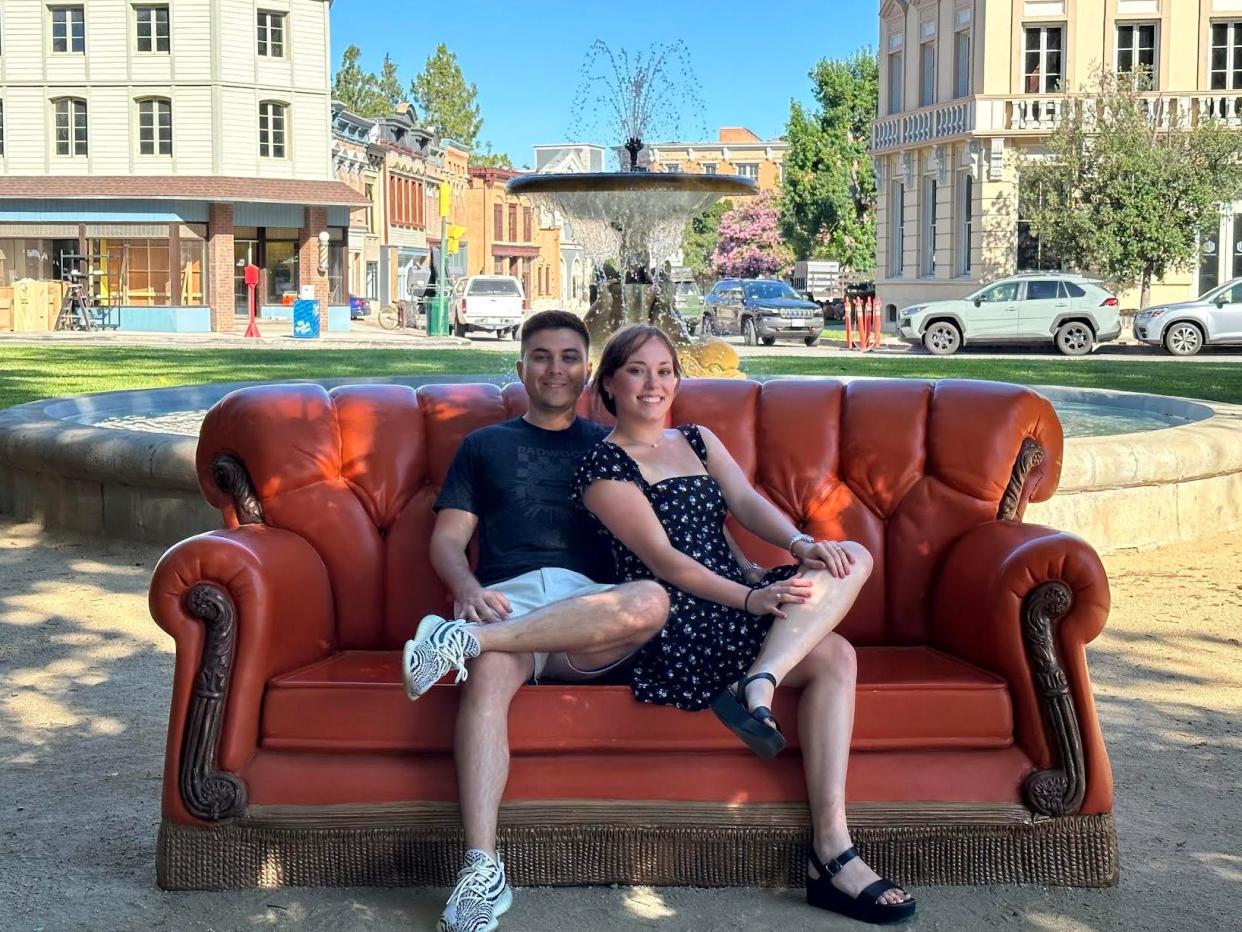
[487,302]
[761,309]
[1185,327]
[1072,312]
[687,298]
[358,307]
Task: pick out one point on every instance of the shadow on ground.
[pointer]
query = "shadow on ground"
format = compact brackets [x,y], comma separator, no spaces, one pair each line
[85,678]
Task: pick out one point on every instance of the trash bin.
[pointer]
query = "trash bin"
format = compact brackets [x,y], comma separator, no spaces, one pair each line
[437,318]
[305,319]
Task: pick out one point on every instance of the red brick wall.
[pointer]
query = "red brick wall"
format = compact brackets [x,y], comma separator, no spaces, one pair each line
[220,266]
[308,260]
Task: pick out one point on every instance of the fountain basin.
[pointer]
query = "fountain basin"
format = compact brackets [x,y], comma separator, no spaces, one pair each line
[121,464]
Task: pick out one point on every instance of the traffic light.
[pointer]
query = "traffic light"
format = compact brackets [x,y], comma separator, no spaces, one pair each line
[455,234]
[445,198]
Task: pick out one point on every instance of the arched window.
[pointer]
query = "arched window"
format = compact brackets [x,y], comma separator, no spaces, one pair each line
[70,126]
[155,126]
[273,120]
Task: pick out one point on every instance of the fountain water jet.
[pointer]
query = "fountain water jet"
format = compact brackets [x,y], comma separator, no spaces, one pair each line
[631,223]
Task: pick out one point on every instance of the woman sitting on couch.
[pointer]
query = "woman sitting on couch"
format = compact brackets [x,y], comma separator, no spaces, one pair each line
[734,631]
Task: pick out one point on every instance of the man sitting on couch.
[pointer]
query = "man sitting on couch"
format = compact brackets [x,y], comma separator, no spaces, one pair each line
[535,605]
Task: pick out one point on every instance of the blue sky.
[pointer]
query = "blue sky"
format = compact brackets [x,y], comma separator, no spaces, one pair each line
[526,58]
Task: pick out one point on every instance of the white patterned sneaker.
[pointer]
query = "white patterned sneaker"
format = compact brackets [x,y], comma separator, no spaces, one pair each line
[438,646]
[480,896]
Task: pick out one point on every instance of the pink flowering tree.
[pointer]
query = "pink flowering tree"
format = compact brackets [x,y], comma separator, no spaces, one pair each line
[749,242]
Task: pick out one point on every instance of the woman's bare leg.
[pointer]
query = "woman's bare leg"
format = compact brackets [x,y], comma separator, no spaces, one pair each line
[828,677]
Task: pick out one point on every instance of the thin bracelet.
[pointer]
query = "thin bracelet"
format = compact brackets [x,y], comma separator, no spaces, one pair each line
[746,601]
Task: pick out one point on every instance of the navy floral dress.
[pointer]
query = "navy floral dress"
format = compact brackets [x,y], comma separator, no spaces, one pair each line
[704,646]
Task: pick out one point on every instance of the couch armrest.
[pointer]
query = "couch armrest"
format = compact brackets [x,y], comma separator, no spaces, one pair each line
[1023,601]
[243,605]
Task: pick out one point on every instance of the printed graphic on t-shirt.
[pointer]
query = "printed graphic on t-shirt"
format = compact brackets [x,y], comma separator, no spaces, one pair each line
[541,487]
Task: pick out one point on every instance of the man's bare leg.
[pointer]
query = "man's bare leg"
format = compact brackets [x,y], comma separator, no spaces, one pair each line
[481,743]
[585,626]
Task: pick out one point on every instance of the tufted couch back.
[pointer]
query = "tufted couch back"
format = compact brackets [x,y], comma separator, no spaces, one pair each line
[904,467]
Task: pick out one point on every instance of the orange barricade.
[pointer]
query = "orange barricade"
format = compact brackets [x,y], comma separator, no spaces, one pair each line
[864,328]
[877,323]
[848,318]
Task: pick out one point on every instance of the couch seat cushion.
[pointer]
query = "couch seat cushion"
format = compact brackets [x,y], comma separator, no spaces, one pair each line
[908,698]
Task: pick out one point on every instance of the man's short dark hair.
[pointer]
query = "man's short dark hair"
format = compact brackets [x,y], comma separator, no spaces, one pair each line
[555,320]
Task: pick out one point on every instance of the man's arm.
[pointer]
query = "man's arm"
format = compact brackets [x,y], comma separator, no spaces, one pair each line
[449,540]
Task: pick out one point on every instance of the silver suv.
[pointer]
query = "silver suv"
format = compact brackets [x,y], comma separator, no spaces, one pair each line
[1070,311]
[1186,327]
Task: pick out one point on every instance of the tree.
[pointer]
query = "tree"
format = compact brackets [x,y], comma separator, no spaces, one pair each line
[749,242]
[388,85]
[1126,187]
[828,195]
[357,89]
[699,239]
[489,159]
[446,101]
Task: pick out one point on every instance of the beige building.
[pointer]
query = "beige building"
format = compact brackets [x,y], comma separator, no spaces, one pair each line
[736,151]
[969,86]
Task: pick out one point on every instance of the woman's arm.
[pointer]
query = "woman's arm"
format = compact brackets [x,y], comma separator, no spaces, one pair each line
[625,511]
[760,516]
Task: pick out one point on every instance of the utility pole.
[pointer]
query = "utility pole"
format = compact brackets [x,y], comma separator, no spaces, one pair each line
[439,324]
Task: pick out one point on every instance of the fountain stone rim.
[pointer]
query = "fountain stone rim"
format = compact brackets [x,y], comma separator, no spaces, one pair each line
[601,182]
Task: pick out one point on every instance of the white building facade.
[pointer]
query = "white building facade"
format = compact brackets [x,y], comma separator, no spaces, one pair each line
[167,143]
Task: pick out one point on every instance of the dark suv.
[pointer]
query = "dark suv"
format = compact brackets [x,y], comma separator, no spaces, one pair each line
[761,309]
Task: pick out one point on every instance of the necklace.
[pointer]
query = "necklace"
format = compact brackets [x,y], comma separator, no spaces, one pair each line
[642,443]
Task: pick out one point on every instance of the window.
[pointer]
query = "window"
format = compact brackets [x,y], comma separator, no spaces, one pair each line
[71,126]
[1042,289]
[152,28]
[68,29]
[961,64]
[897,246]
[1226,61]
[896,78]
[1042,63]
[748,169]
[498,222]
[928,261]
[513,223]
[1032,255]
[271,34]
[134,272]
[927,74]
[372,213]
[1002,293]
[1070,290]
[155,127]
[526,222]
[1209,260]
[965,233]
[709,168]
[1,127]
[1136,48]
[272,129]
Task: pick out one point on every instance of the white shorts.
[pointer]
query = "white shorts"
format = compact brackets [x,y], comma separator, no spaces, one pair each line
[543,587]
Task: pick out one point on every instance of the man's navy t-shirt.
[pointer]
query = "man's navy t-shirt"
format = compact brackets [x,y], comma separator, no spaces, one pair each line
[515,477]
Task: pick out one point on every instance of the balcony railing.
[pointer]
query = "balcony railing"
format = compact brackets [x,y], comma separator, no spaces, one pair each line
[927,124]
[1040,114]
[1044,113]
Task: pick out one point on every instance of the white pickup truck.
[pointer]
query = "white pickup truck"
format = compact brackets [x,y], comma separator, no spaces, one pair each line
[487,302]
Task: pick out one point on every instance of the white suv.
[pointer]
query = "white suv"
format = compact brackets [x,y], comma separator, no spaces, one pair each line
[1186,327]
[1072,312]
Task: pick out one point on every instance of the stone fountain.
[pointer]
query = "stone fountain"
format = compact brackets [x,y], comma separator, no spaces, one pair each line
[631,222]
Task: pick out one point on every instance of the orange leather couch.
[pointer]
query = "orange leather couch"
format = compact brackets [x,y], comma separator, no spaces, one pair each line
[293,756]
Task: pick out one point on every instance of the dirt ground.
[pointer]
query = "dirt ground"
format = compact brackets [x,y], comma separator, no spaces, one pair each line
[84,685]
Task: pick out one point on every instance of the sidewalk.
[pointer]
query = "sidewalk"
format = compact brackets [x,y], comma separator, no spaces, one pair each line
[85,677]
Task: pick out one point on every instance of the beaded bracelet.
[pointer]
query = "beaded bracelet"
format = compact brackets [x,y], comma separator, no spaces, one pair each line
[746,601]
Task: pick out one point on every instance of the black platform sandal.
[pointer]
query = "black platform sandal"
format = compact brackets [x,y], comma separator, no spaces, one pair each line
[866,907]
[749,725]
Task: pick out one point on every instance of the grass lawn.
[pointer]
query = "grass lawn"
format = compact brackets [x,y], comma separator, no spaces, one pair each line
[28,373]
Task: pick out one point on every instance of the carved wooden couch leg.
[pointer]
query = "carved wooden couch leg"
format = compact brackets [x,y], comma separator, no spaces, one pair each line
[1057,791]
[208,793]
